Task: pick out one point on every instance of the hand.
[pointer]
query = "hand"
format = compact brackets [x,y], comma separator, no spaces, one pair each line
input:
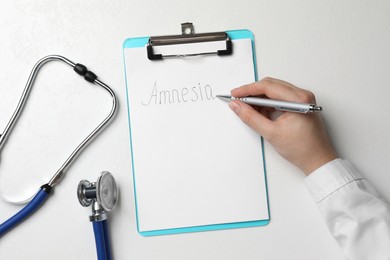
[299,138]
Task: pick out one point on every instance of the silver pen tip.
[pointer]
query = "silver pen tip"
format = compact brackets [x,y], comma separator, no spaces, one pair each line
[224,98]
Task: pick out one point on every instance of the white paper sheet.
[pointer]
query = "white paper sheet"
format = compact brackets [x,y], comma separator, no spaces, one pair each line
[195,162]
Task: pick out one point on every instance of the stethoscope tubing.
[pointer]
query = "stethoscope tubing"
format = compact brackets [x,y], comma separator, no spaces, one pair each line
[43,193]
[102,240]
[30,208]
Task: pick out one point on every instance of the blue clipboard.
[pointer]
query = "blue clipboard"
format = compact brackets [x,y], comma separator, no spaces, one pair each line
[142,42]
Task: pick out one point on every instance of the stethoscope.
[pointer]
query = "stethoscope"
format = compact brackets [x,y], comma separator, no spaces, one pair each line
[103,196]
[106,180]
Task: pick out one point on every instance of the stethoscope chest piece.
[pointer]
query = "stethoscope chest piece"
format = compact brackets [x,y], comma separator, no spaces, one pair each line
[104,192]
[103,196]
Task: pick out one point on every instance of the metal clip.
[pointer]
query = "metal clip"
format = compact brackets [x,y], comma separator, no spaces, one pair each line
[188,36]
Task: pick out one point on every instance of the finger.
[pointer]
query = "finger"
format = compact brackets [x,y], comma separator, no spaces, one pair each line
[265,111]
[252,118]
[303,94]
[269,87]
[274,89]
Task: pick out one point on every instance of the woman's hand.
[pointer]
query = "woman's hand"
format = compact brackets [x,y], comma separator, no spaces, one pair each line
[299,138]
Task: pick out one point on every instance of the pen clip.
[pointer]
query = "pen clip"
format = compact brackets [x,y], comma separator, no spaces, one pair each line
[285,109]
[310,108]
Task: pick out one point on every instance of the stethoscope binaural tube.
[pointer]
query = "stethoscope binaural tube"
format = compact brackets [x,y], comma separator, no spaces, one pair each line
[43,193]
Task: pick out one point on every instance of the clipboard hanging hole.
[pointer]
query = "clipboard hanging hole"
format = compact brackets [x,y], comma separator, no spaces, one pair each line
[187,28]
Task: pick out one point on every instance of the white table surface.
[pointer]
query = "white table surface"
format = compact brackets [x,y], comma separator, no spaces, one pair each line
[337,49]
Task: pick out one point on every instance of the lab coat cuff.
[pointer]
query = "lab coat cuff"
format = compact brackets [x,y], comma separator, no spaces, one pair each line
[330,177]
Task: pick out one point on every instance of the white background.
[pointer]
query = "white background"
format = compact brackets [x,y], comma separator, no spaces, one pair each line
[337,49]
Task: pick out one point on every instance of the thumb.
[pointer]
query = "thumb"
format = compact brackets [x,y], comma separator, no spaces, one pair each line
[252,118]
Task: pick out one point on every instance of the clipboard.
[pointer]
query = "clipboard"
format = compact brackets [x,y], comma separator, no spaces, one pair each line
[176,151]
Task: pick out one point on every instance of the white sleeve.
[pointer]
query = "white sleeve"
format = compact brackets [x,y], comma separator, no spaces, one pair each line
[356,215]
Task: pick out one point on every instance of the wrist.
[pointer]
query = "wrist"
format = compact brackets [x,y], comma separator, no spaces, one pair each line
[317,161]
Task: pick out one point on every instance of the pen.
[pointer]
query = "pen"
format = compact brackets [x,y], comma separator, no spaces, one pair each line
[277,104]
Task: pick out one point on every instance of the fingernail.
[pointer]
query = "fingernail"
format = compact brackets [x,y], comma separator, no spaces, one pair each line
[235,107]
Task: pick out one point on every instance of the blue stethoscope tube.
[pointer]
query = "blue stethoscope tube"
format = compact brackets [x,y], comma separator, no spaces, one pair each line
[30,208]
[102,240]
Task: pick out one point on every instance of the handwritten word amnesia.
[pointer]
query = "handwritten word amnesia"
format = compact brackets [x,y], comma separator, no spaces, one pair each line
[197,93]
